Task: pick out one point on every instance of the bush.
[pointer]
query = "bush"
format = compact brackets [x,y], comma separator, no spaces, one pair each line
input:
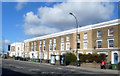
[70,58]
[119,66]
[92,57]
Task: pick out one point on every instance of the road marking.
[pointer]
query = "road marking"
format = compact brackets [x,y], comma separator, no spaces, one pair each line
[59,68]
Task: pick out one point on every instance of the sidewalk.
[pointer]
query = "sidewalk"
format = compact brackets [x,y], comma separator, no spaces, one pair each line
[107,71]
[101,71]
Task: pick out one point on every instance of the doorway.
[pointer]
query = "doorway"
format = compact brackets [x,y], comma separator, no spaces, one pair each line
[115,58]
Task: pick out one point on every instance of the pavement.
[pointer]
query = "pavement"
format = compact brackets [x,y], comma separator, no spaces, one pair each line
[26,67]
[105,71]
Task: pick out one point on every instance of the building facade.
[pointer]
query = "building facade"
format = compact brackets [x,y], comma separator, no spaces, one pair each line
[94,39]
[16,49]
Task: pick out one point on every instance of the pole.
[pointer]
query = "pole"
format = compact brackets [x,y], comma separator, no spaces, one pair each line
[77,26]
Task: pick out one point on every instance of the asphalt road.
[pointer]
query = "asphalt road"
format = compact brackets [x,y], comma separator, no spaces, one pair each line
[12,67]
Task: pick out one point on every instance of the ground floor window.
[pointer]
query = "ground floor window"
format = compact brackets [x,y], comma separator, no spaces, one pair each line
[62,46]
[68,46]
[54,46]
[78,45]
[50,53]
[85,45]
[99,44]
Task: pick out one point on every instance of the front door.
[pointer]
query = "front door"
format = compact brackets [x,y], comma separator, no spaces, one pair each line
[115,58]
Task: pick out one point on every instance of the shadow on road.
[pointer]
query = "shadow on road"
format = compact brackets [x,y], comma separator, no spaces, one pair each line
[8,72]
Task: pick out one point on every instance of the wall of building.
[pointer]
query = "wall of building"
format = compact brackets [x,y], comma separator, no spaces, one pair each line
[105,36]
[17,49]
[91,38]
[119,35]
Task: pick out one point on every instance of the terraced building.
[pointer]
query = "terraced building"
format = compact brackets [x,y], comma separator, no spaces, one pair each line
[97,38]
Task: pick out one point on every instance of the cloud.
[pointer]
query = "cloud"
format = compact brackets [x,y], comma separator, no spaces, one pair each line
[34,27]
[57,18]
[6,42]
[20,4]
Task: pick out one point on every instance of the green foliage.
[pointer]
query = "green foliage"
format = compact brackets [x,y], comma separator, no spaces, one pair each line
[92,57]
[70,58]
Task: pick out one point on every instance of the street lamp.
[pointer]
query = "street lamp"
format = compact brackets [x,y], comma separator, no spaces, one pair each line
[76,33]
[75,19]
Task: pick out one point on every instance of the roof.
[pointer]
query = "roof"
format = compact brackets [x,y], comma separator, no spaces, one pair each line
[16,43]
[84,28]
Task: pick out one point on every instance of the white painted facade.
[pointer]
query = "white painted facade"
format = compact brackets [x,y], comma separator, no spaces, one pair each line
[16,49]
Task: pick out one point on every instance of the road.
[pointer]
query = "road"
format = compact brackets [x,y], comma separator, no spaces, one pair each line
[13,67]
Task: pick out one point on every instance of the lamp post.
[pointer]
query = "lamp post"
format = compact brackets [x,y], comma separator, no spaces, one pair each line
[76,34]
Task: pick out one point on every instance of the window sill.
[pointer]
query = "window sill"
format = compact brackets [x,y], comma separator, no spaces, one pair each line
[110,35]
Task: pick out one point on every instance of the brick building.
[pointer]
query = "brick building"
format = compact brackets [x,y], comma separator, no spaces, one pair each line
[97,38]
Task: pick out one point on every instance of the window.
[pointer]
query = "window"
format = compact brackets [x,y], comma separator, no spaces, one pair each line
[85,35]
[34,43]
[110,32]
[18,48]
[41,55]
[54,41]
[32,48]
[62,46]
[40,42]
[62,39]
[78,45]
[54,46]
[78,36]
[27,44]
[50,53]
[27,48]
[50,47]
[67,46]
[43,47]
[99,44]
[99,33]
[40,47]
[67,38]
[110,43]
[35,48]
[50,41]
[85,44]
[43,41]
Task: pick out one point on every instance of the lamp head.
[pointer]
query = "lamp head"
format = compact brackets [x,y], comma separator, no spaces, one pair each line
[71,13]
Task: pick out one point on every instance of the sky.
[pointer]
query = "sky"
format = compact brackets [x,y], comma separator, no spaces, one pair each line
[24,20]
